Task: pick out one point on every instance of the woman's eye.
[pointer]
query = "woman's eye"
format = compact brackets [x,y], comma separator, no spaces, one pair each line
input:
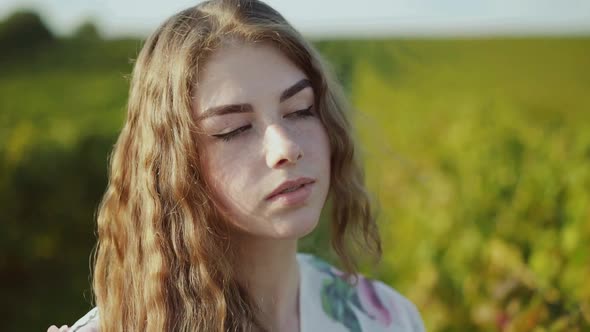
[302,113]
[228,136]
[297,114]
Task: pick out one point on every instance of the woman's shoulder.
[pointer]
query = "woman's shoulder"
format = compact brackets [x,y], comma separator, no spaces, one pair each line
[368,304]
[87,323]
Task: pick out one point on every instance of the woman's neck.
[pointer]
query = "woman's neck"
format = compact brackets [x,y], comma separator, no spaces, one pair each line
[269,270]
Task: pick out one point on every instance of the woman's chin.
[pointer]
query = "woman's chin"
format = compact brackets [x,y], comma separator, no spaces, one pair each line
[289,228]
[296,231]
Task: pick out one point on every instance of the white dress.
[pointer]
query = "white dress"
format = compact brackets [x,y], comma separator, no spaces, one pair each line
[329,304]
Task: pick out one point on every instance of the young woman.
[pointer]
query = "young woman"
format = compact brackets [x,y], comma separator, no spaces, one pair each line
[236,136]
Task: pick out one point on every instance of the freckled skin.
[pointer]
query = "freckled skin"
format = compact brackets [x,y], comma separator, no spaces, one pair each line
[278,146]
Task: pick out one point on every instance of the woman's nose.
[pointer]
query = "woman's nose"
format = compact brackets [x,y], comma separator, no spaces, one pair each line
[281,147]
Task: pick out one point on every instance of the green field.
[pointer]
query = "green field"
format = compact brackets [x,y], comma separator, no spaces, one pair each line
[478,152]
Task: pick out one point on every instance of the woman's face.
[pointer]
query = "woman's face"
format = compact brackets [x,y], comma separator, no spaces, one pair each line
[259,131]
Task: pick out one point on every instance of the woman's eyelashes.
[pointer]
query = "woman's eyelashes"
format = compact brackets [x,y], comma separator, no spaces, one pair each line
[301,113]
[294,115]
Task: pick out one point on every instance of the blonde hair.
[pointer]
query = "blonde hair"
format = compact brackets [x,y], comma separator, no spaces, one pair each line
[161,262]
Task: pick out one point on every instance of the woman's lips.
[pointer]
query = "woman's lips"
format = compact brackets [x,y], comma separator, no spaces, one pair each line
[294,197]
[290,184]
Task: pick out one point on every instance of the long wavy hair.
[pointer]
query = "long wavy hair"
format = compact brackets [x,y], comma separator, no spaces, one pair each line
[162,262]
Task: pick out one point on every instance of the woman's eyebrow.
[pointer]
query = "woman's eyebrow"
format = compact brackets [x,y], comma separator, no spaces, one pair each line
[294,89]
[247,108]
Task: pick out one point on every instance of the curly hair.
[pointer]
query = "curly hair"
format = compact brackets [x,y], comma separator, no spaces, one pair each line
[162,262]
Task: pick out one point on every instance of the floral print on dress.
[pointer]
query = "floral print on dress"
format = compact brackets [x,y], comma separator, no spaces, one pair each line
[339,297]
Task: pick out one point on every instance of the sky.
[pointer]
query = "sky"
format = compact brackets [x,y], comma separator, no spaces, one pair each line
[116,18]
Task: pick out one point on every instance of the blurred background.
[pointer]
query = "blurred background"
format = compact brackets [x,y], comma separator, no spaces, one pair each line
[473,120]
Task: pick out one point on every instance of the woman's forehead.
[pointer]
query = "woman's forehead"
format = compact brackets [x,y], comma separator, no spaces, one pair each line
[244,74]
